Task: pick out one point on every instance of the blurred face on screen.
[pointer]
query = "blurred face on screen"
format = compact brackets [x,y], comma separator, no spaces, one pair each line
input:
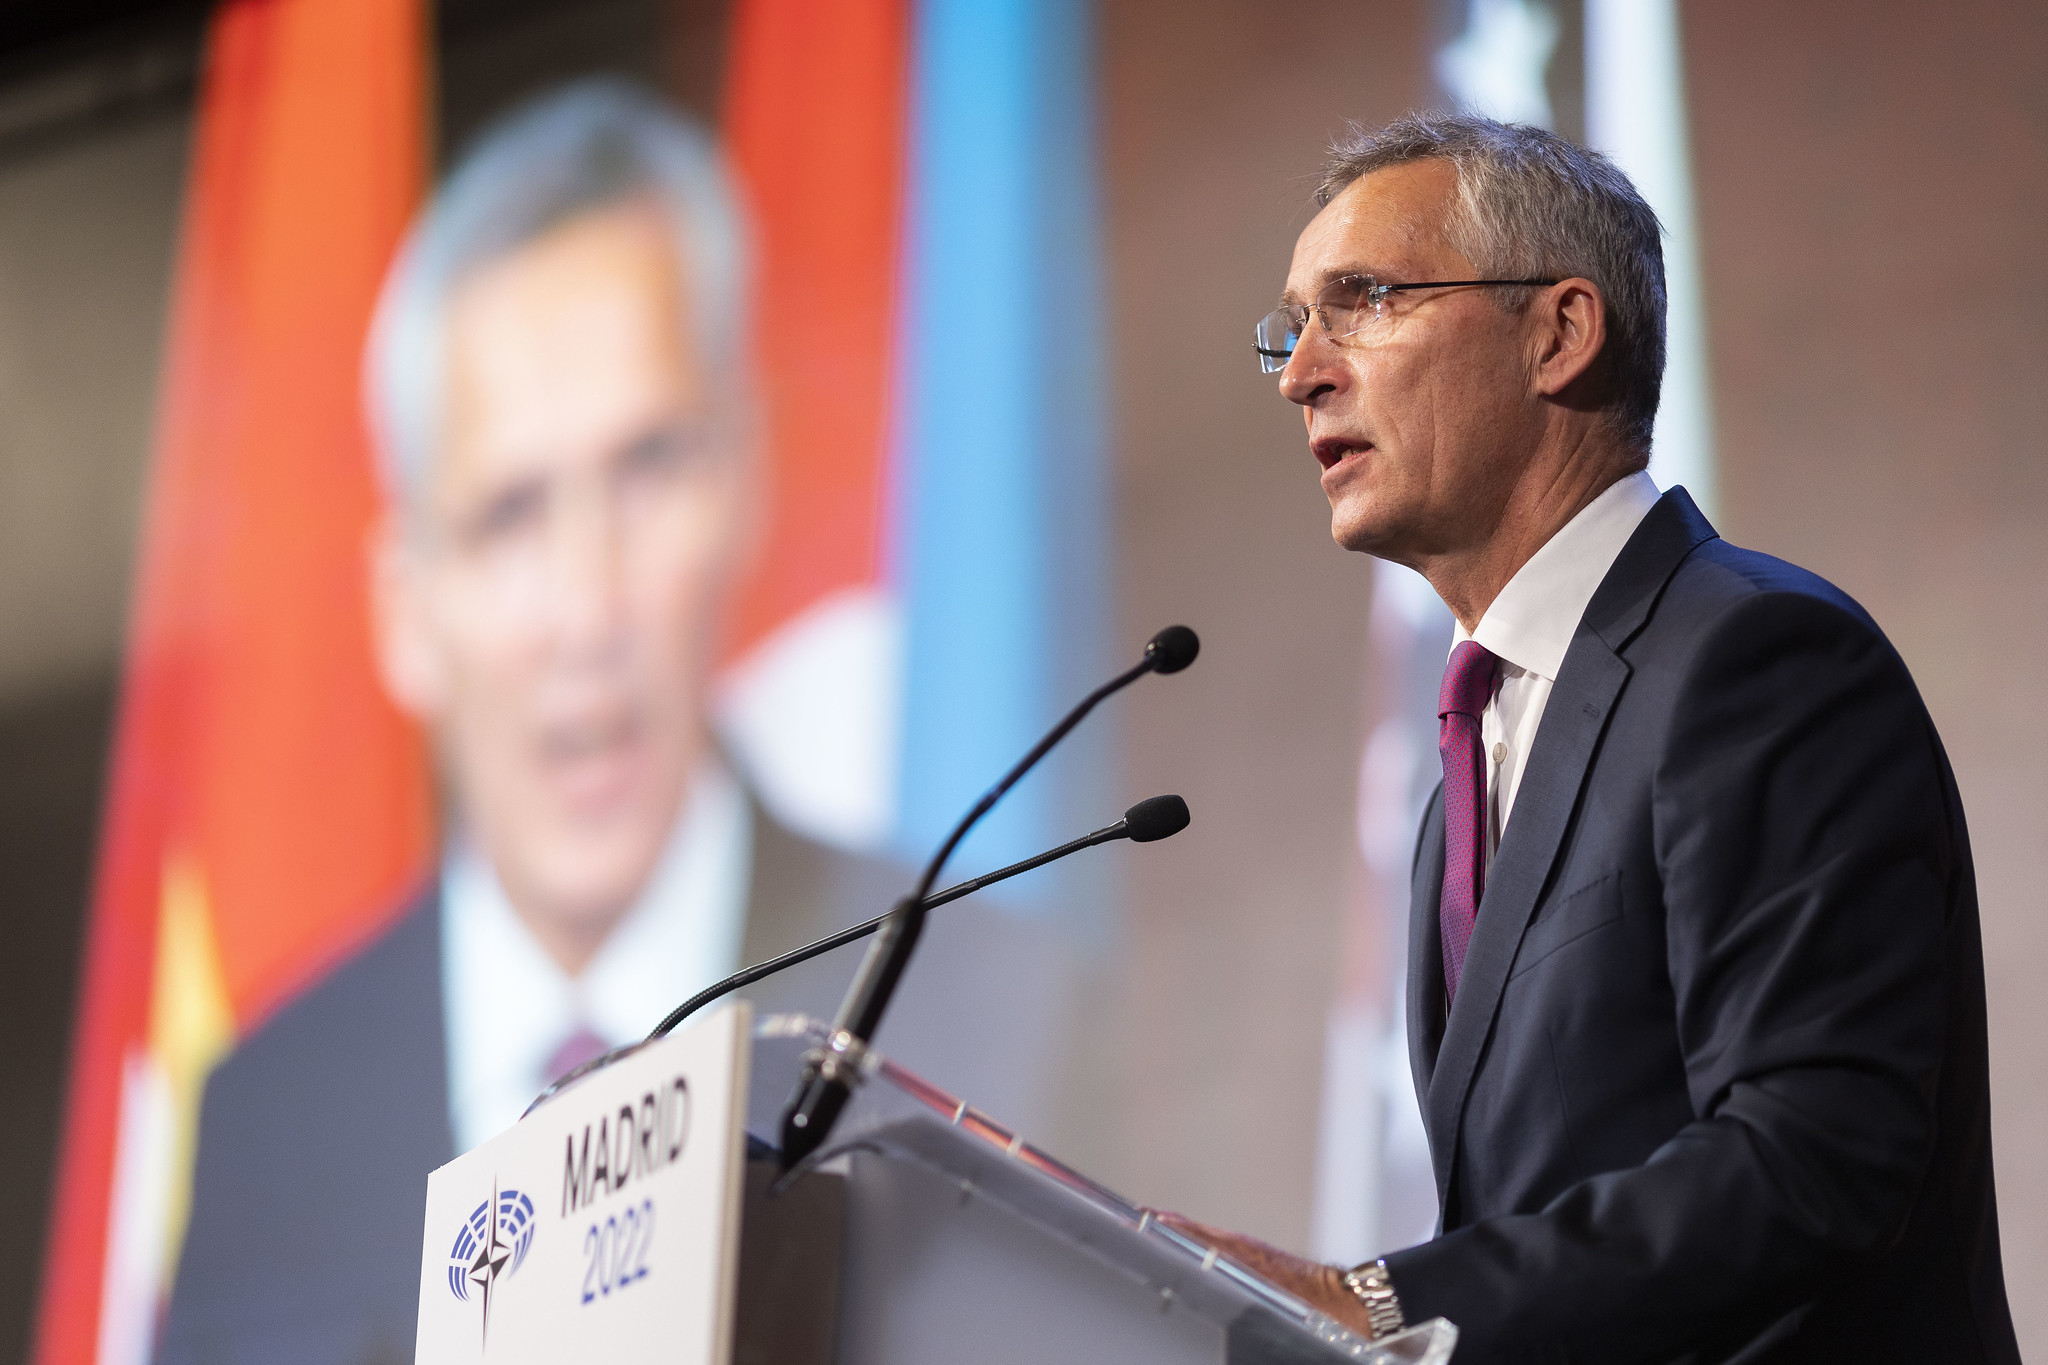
[1423,419]
[551,608]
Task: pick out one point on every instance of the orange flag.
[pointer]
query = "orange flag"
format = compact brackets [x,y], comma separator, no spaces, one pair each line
[817,97]
[267,809]
[816,120]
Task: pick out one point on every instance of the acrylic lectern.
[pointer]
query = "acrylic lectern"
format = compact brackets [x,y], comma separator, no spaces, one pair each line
[957,1240]
[923,1231]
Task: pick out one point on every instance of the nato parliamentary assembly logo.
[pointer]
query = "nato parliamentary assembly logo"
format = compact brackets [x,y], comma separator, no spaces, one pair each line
[489,1248]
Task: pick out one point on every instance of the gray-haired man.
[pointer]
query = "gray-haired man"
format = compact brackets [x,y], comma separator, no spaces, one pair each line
[557,380]
[1695,990]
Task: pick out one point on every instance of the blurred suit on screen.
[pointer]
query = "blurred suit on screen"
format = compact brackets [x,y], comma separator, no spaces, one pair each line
[558,382]
[1695,999]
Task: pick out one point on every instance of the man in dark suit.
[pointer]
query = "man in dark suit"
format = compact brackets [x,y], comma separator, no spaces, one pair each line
[1695,993]
[558,386]
[319,1132]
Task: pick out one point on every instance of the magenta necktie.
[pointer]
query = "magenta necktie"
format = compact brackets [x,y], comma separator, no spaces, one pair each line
[1468,685]
[582,1045]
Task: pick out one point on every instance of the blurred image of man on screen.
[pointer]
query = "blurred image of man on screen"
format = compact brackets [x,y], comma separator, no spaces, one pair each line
[558,383]
[1695,997]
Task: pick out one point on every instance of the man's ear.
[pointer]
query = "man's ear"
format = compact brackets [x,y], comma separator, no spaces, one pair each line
[1570,319]
[400,621]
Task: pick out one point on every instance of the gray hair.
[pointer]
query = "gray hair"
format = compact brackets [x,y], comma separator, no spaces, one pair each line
[1532,205]
[587,146]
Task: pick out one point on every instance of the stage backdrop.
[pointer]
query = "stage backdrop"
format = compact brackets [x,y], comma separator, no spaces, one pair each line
[933,345]
[928,586]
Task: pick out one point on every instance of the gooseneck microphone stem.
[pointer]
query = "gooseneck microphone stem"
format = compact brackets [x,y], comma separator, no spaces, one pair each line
[829,1074]
[749,975]
[1024,765]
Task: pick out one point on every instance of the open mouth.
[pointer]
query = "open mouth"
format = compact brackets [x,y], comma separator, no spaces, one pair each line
[593,758]
[1331,452]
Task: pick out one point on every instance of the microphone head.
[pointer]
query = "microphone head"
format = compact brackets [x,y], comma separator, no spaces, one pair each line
[1172,649]
[1156,817]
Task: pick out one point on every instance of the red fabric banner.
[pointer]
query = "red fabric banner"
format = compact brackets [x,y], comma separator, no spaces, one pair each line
[267,807]
[816,120]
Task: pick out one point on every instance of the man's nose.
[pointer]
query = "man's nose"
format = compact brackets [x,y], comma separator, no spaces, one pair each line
[586,588]
[1312,368]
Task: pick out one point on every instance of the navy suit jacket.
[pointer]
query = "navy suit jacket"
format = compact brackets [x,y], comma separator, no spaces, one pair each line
[319,1131]
[1714,1087]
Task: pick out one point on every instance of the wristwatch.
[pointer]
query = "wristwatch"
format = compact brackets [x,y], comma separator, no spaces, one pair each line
[1369,1281]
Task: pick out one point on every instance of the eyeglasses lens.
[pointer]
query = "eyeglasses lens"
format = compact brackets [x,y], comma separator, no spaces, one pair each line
[1277,333]
[1343,309]
[1347,305]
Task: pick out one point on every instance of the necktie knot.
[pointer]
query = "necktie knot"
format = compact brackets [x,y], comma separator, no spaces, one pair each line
[1468,681]
[582,1045]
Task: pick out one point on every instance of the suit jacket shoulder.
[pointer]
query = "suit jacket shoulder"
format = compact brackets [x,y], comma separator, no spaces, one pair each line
[316,1139]
[1677,571]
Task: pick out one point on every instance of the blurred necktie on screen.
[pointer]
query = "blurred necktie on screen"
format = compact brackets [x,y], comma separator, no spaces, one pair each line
[582,1045]
[266,806]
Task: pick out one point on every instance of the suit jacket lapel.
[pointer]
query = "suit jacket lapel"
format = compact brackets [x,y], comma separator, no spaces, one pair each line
[800,891]
[1425,1002]
[1573,720]
[409,986]
[785,885]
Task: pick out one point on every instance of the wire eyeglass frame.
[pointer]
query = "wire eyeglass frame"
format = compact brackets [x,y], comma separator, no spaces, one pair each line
[1277,333]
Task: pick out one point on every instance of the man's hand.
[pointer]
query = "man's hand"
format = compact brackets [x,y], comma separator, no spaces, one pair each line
[1319,1286]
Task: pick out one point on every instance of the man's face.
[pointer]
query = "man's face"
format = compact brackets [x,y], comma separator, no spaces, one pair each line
[1423,419]
[551,610]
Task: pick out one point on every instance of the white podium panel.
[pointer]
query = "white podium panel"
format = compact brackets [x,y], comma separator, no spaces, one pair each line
[604,1226]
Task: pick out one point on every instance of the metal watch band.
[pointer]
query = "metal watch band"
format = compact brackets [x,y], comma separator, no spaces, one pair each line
[1373,1288]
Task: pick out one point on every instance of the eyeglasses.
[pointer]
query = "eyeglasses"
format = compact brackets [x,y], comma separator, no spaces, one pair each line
[1345,306]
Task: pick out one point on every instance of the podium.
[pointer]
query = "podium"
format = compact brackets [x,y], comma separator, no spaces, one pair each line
[923,1231]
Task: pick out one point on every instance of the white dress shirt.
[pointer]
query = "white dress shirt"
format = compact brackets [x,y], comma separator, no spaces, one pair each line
[1531,624]
[510,1005]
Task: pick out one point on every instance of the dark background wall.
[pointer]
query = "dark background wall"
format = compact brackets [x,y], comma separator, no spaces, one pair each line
[1872,180]
[52,746]
[92,138]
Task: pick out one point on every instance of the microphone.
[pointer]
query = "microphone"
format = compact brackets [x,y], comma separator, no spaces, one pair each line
[1172,649]
[1154,818]
[830,1072]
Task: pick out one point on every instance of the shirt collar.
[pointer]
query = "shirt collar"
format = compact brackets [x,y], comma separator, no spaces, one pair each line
[510,1005]
[1531,623]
